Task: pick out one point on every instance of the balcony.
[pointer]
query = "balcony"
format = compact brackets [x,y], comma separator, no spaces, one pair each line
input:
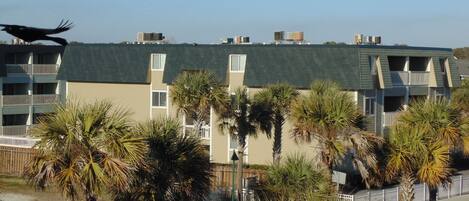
[17,141]
[31,69]
[205,134]
[16,135]
[15,131]
[28,99]
[44,69]
[401,78]
[390,118]
[19,68]
[45,98]
[16,99]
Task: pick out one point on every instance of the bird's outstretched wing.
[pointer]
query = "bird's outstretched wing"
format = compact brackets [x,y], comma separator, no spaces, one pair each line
[63,26]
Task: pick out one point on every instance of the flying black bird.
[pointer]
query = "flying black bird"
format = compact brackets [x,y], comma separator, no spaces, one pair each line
[30,34]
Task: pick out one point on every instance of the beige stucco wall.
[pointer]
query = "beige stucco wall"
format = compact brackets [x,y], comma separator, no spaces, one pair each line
[157,80]
[259,149]
[135,97]
[220,140]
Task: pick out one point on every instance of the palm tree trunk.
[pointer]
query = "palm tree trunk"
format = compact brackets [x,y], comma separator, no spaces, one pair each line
[239,175]
[433,192]
[197,128]
[406,192]
[277,148]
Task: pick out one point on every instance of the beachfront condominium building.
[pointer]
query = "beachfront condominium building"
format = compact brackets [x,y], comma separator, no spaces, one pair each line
[382,80]
[29,89]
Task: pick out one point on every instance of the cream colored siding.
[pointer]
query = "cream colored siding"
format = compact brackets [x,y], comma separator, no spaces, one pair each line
[158,113]
[219,142]
[157,81]
[135,97]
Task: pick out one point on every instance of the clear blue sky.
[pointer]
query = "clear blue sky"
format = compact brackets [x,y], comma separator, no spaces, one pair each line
[439,23]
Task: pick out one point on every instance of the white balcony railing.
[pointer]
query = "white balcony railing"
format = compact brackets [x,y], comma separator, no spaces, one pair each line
[32,68]
[390,118]
[16,99]
[19,68]
[418,78]
[17,141]
[44,98]
[26,99]
[44,68]
[15,131]
[400,78]
[204,134]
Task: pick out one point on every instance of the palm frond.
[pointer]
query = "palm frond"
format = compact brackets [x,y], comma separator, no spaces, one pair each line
[85,148]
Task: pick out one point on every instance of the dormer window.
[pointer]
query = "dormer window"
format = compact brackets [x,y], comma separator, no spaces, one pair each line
[158,61]
[237,62]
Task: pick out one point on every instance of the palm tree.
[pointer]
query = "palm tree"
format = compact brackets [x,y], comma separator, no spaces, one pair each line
[85,149]
[442,120]
[296,178]
[176,168]
[460,97]
[237,122]
[329,117]
[414,154]
[444,124]
[194,93]
[271,108]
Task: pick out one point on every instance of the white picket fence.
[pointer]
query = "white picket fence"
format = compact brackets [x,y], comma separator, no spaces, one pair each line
[459,186]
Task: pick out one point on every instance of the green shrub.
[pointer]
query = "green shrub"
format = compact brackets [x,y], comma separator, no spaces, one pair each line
[296,179]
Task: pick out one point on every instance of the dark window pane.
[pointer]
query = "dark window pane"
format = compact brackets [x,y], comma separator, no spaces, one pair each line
[155,99]
[162,99]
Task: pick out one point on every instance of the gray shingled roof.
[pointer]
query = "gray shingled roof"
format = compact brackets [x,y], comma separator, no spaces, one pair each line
[298,65]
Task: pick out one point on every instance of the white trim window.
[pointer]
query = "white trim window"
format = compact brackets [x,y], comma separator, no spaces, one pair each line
[159,99]
[369,106]
[158,61]
[237,62]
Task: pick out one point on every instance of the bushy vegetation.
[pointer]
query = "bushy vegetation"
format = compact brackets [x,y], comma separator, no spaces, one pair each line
[87,150]
[176,167]
[84,150]
[460,97]
[461,53]
[296,178]
[420,145]
[329,117]
[271,108]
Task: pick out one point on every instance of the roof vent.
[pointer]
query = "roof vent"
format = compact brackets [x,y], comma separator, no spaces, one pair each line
[144,38]
[236,40]
[361,39]
[296,37]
